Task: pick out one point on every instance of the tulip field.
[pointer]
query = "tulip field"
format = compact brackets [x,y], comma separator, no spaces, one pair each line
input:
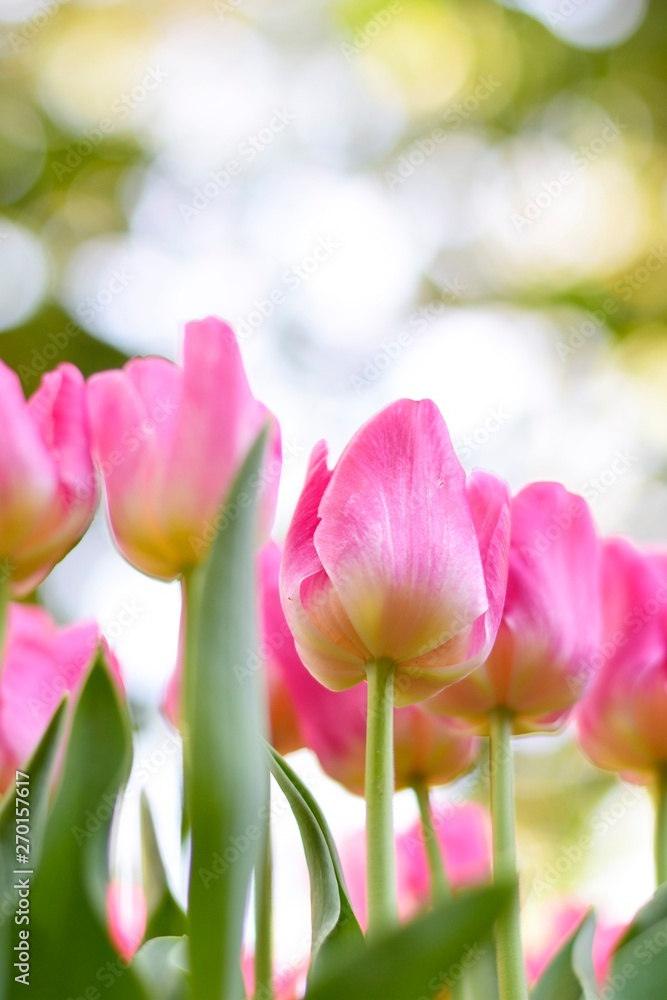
[333,500]
[427,618]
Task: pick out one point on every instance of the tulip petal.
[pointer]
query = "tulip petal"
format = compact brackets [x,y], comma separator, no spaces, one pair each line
[396,535]
[131,466]
[28,479]
[219,422]
[337,666]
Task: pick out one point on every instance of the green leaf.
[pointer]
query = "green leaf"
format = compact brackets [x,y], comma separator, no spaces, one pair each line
[223,723]
[161,965]
[421,958]
[40,770]
[570,974]
[639,966]
[582,958]
[334,925]
[70,949]
[165,916]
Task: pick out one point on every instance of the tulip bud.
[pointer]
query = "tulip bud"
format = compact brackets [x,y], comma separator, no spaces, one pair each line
[621,720]
[391,556]
[550,624]
[170,441]
[48,485]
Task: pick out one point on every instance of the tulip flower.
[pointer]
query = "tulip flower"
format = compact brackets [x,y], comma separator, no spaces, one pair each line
[531,680]
[550,625]
[126,917]
[48,487]
[170,441]
[391,557]
[41,662]
[621,719]
[394,572]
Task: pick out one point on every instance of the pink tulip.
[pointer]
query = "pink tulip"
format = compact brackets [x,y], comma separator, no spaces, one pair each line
[126,917]
[48,487]
[464,836]
[428,750]
[621,720]
[391,556]
[551,621]
[170,441]
[40,663]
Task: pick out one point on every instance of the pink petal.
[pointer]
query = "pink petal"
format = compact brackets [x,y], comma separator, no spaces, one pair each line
[220,421]
[396,535]
[28,475]
[327,656]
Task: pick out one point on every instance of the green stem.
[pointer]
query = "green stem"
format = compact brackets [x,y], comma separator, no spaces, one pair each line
[440,889]
[511,970]
[264,920]
[4,608]
[380,859]
[661,828]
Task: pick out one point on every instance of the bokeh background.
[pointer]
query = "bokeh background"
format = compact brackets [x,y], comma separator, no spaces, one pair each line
[462,199]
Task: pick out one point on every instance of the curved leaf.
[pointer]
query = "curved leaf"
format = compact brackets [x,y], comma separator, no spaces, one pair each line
[334,925]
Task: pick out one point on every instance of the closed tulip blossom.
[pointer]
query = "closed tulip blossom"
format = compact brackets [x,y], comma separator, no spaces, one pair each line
[621,720]
[550,625]
[41,662]
[392,556]
[48,487]
[533,675]
[394,572]
[170,441]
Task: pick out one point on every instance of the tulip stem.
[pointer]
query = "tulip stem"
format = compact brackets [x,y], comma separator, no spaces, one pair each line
[4,609]
[380,859]
[511,971]
[661,828]
[440,889]
[264,920]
